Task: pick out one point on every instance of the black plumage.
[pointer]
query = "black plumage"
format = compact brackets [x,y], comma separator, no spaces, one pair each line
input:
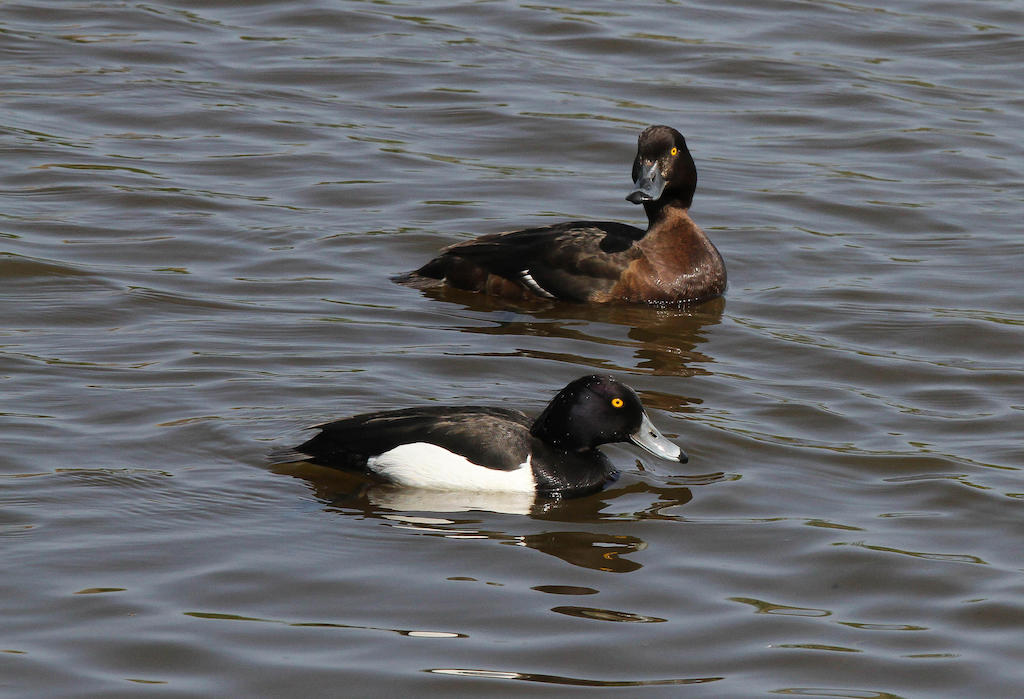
[558,448]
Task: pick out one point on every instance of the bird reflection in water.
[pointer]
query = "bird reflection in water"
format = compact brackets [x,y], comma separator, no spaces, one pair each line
[664,340]
[480,515]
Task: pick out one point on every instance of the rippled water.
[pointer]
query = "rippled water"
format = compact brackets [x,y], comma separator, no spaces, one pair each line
[203,202]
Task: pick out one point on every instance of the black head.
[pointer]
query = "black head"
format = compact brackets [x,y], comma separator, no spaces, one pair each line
[663,171]
[595,410]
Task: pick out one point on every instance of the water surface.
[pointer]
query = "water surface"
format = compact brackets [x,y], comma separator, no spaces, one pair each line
[203,203]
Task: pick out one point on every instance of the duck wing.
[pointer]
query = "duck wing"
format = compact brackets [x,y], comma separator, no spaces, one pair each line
[572,260]
[492,437]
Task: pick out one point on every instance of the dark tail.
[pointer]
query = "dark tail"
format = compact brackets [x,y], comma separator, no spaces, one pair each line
[426,276]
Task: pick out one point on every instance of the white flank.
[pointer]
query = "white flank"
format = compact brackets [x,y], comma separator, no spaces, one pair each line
[423,465]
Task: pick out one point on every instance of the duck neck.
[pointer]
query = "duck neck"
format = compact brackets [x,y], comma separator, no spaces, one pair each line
[671,220]
[556,433]
[658,211]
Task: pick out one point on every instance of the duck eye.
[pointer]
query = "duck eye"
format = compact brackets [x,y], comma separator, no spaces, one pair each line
[674,151]
[617,403]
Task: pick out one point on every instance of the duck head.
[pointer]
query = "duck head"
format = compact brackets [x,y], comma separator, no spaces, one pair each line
[663,170]
[595,410]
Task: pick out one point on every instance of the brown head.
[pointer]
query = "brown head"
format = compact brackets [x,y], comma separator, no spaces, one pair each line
[663,171]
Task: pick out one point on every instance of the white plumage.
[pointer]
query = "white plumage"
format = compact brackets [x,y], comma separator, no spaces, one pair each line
[527,279]
[424,465]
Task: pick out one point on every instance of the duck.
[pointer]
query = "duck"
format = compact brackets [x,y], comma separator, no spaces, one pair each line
[672,261]
[479,448]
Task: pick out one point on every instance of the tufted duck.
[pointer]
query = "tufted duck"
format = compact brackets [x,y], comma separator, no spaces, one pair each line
[672,262]
[497,449]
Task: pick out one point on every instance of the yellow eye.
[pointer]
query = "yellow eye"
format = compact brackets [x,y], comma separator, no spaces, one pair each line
[617,403]
[674,151]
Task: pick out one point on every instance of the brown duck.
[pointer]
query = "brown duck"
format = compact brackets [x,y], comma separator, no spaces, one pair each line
[671,262]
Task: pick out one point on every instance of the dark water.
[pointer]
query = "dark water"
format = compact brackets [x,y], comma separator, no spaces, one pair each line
[202,204]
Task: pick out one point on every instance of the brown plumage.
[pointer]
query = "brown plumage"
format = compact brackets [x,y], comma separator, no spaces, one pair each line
[672,262]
